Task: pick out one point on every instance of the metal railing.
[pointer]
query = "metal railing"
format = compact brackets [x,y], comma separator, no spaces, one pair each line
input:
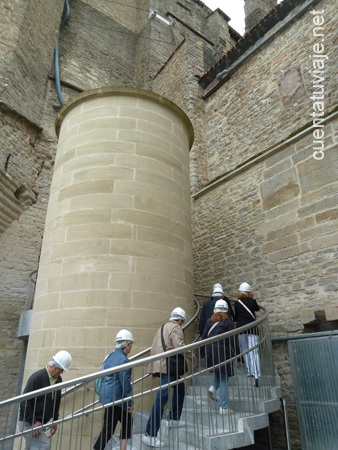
[80,415]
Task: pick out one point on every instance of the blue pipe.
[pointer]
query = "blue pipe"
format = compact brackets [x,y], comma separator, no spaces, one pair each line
[56,55]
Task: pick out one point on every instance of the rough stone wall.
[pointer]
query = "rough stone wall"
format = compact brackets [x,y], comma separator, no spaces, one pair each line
[285,245]
[269,97]
[27,40]
[284,208]
[270,215]
[123,14]
[29,166]
[256,10]
[177,81]
[90,54]
[273,224]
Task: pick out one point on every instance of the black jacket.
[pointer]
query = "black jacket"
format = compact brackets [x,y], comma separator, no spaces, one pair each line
[41,408]
[222,350]
[242,316]
[208,311]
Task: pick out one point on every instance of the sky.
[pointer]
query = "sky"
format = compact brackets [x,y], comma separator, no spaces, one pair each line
[232,8]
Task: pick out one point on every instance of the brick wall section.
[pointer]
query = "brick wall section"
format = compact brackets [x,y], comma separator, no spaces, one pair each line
[177,81]
[123,13]
[27,40]
[248,114]
[98,58]
[271,222]
[275,226]
[26,160]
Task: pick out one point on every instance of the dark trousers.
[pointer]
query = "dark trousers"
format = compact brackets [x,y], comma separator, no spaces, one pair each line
[112,415]
[154,421]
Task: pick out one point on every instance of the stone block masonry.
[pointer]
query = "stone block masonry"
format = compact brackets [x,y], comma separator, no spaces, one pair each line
[117,242]
[271,217]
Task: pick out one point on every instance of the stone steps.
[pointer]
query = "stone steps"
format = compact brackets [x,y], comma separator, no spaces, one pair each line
[206,429]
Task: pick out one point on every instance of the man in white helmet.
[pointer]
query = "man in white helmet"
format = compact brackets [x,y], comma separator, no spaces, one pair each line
[169,336]
[115,387]
[208,307]
[37,411]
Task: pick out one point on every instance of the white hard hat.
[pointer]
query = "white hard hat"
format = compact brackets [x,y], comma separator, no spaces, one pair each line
[217,290]
[178,314]
[221,306]
[244,287]
[124,336]
[62,359]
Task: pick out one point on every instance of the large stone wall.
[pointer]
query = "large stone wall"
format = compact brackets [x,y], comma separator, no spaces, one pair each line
[269,97]
[271,216]
[27,40]
[269,212]
[275,226]
[26,161]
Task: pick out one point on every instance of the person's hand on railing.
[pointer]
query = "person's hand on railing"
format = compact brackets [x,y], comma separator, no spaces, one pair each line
[53,430]
[130,409]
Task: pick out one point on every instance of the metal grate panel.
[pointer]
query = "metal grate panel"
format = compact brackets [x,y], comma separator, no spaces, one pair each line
[314,368]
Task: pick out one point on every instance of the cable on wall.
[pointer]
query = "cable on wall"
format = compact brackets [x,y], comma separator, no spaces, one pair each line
[56,55]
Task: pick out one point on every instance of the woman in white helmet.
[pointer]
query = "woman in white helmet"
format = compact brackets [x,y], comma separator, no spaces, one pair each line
[116,387]
[208,307]
[219,352]
[170,335]
[245,313]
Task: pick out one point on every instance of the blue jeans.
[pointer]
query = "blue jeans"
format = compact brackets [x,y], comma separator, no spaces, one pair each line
[41,442]
[220,380]
[154,421]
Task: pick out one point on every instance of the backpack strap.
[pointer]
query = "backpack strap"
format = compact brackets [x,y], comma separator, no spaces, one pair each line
[162,339]
[216,323]
[250,312]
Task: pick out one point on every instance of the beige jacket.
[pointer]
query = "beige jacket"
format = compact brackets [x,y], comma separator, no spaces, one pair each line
[173,338]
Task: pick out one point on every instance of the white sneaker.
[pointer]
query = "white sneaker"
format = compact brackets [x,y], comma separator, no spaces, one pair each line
[212,392]
[152,441]
[224,411]
[175,423]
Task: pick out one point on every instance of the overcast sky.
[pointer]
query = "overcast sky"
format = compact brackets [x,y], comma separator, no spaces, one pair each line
[232,8]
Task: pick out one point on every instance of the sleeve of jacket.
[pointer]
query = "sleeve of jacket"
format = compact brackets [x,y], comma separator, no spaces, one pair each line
[34,383]
[177,336]
[204,336]
[125,380]
[256,306]
[232,314]
[202,321]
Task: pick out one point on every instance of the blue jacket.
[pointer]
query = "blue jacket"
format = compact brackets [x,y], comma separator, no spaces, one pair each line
[118,385]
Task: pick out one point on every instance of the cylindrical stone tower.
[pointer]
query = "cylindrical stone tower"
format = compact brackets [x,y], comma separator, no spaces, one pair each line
[117,249]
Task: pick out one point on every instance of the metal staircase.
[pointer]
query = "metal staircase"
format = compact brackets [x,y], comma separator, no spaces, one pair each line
[205,429]
[250,412]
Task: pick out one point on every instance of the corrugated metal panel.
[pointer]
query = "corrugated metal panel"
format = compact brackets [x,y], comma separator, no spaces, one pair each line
[314,368]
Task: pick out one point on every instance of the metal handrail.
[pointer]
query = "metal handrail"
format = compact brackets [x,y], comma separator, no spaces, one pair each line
[147,350]
[84,385]
[85,379]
